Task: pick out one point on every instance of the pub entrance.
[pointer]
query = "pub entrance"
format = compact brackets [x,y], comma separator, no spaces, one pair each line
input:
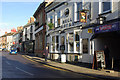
[112,40]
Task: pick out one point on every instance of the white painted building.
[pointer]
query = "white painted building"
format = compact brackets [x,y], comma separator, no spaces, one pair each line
[69,31]
[28,32]
[9,42]
[16,39]
[28,37]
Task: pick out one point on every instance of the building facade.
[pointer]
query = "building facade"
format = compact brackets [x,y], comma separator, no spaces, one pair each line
[67,37]
[107,30]
[40,30]
[28,37]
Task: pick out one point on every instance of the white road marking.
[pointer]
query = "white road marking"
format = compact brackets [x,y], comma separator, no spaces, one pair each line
[24,71]
[8,63]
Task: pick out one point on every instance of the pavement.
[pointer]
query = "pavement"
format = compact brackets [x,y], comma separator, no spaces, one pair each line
[108,74]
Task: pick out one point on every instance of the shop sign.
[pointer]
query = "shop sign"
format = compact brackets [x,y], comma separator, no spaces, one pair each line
[89,30]
[107,28]
[83,17]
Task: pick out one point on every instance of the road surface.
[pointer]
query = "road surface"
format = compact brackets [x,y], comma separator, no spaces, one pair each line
[16,66]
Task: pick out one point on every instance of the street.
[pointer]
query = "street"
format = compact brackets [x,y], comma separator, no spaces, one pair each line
[16,66]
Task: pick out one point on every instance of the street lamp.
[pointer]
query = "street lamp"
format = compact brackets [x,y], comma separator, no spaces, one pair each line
[100,19]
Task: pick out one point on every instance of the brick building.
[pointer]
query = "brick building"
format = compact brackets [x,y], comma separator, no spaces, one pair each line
[40,30]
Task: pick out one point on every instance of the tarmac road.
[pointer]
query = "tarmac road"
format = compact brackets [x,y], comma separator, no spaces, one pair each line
[16,66]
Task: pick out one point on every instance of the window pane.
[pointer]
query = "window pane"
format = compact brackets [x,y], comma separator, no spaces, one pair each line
[58,18]
[51,17]
[57,42]
[106,6]
[53,43]
[71,42]
[79,8]
[85,45]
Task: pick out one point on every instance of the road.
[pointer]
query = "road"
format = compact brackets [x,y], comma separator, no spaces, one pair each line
[16,66]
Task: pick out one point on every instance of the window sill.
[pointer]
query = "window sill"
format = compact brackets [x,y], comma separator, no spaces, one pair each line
[105,12]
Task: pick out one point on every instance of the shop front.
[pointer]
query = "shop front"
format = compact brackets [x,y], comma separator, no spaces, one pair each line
[109,35]
[73,45]
[28,46]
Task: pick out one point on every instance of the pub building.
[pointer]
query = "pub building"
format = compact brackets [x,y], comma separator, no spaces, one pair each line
[67,39]
[107,32]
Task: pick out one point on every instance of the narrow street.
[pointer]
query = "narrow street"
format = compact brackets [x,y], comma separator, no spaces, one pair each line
[15,66]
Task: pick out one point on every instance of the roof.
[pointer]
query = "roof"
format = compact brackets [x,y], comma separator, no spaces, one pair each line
[28,24]
[39,8]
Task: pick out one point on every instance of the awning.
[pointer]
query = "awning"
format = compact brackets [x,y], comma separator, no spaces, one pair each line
[94,36]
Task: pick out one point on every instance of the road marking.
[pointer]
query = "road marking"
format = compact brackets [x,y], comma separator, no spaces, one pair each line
[60,69]
[8,63]
[24,71]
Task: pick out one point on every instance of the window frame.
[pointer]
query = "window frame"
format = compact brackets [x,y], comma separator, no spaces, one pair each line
[107,10]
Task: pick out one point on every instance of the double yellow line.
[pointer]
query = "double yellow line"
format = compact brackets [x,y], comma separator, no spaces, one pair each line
[57,68]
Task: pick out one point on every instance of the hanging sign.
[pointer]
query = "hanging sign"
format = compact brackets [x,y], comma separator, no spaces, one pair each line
[83,17]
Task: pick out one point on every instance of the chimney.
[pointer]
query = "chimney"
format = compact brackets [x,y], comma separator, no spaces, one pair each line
[28,21]
[31,19]
[5,32]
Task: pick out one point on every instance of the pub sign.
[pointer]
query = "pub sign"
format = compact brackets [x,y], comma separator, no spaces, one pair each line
[83,17]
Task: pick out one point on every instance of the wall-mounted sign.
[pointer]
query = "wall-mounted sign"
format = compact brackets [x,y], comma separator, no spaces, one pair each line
[66,12]
[107,28]
[83,17]
[90,31]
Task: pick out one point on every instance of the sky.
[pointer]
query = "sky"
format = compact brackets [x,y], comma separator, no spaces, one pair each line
[14,14]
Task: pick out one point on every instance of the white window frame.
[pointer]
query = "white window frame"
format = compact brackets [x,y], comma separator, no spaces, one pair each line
[101,7]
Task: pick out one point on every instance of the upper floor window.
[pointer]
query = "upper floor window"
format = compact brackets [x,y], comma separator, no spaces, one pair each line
[106,6]
[58,18]
[79,8]
[25,30]
[31,28]
[51,19]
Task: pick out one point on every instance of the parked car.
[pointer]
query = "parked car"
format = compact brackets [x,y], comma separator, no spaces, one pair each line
[4,49]
[13,50]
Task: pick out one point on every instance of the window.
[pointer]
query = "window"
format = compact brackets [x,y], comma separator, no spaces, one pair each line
[79,8]
[53,43]
[85,45]
[51,19]
[58,18]
[25,30]
[71,42]
[106,6]
[57,43]
[31,28]
[77,40]
[31,36]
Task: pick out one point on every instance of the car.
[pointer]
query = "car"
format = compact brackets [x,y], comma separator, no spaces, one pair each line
[13,51]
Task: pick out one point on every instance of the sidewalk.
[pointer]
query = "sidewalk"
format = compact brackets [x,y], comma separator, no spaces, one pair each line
[77,69]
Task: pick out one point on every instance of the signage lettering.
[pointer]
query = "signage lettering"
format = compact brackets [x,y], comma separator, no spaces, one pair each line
[107,28]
